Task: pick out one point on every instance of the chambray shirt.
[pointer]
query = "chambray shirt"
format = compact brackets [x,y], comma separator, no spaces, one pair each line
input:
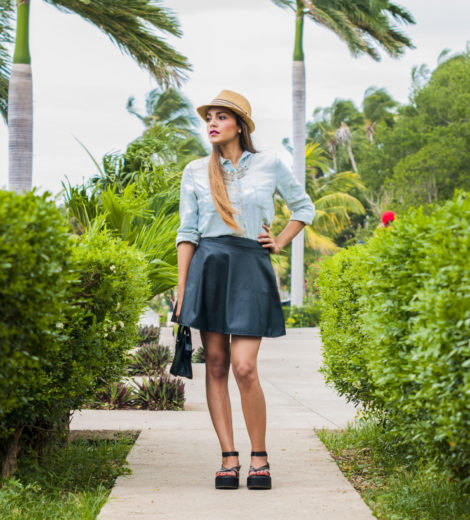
[251,195]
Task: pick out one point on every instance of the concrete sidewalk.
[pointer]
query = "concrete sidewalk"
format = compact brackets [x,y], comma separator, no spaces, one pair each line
[175,458]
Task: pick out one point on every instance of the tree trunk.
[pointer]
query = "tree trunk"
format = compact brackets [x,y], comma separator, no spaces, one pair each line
[20,108]
[9,463]
[298,98]
[351,157]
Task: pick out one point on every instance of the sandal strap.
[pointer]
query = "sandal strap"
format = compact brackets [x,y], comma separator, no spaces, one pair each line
[259,454]
[261,468]
[233,468]
[229,453]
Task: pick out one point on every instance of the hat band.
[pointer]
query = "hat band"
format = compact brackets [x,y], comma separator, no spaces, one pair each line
[226,101]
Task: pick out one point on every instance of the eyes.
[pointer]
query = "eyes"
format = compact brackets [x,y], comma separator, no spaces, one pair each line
[220,117]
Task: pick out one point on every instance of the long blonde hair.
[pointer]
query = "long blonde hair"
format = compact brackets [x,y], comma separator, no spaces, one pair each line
[217,179]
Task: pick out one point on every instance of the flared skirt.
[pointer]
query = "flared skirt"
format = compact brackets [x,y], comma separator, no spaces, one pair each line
[231,288]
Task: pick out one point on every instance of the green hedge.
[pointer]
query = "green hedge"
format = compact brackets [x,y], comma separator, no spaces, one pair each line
[109,297]
[399,307]
[345,343]
[69,311]
[35,251]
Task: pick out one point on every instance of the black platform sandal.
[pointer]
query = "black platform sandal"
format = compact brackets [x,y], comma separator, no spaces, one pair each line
[224,481]
[260,477]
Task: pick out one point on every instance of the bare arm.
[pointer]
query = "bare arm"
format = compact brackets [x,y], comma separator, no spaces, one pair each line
[185,255]
[293,228]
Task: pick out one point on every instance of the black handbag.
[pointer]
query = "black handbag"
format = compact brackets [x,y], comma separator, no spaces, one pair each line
[181,365]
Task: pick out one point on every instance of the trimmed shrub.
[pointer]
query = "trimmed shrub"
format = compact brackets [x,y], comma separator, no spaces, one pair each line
[35,247]
[109,298]
[35,251]
[69,313]
[400,306]
[344,341]
[417,312]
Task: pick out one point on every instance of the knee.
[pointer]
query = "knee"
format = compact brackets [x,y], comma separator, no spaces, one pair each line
[217,367]
[245,373]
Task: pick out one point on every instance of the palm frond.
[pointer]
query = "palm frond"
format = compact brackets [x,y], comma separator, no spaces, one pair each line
[319,242]
[341,203]
[339,182]
[290,4]
[130,24]
[361,24]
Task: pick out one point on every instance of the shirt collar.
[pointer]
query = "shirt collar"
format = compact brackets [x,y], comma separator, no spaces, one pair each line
[244,154]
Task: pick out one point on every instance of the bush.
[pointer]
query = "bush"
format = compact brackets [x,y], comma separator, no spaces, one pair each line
[344,341]
[162,393]
[417,311]
[35,275]
[148,334]
[34,259]
[305,316]
[149,360]
[69,312]
[114,396]
[409,289]
[111,293]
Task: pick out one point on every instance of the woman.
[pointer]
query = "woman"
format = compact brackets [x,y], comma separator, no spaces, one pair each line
[226,283]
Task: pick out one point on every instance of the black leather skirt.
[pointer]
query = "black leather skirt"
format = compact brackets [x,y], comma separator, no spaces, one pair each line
[231,288]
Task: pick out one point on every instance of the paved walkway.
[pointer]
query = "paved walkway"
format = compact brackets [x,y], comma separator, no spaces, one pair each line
[176,455]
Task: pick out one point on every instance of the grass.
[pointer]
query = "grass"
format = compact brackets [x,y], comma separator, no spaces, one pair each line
[70,482]
[393,485]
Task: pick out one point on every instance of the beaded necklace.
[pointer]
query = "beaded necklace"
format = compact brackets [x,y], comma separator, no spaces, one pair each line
[235,173]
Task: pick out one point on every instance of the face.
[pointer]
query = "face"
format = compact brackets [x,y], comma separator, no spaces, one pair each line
[222,126]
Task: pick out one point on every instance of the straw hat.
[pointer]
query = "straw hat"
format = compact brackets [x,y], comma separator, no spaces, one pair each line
[234,101]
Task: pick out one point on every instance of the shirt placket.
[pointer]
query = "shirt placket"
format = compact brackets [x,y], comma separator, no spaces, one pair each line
[234,190]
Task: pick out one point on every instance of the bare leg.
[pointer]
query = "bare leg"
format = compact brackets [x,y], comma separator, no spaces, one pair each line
[217,356]
[244,351]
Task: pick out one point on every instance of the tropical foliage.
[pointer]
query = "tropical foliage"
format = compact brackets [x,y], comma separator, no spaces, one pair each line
[135,195]
[362,25]
[408,154]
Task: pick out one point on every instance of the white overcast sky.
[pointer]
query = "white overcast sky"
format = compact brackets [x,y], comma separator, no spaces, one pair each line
[81,80]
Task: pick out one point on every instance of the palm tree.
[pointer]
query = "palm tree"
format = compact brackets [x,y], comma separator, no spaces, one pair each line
[168,109]
[359,23]
[324,128]
[331,194]
[377,106]
[129,24]
[343,136]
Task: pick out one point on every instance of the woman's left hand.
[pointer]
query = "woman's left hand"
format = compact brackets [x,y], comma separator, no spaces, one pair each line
[268,241]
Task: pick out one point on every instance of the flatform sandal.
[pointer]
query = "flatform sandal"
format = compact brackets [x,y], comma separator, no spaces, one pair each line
[224,478]
[259,478]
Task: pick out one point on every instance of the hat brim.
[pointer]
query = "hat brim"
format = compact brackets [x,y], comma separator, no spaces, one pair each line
[202,111]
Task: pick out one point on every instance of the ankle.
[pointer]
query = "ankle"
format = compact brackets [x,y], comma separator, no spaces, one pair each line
[257,460]
[230,457]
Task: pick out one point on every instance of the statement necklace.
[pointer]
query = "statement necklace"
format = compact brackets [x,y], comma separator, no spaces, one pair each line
[235,173]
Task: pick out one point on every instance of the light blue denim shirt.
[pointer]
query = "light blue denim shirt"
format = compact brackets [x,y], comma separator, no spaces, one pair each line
[251,195]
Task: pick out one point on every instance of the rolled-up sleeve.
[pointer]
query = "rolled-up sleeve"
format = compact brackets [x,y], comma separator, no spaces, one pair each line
[297,199]
[188,210]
